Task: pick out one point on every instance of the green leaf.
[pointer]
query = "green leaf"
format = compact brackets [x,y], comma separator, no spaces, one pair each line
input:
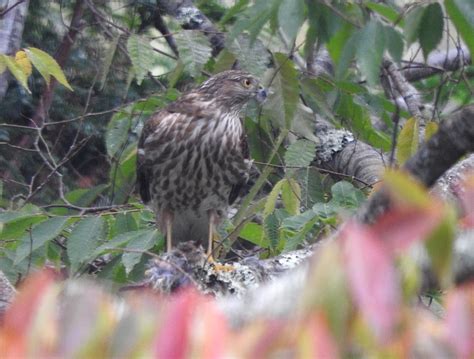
[16,71]
[194,50]
[252,57]
[224,61]
[15,228]
[123,174]
[117,132]
[107,60]
[291,195]
[407,143]
[312,186]
[254,233]
[234,10]
[431,28]
[119,241]
[370,49]
[83,240]
[291,17]
[142,55]
[271,226]
[412,24]
[142,243]
[440,248]
[47,66]
[40,235]
[272,198]
[298,221]
[254,18]
[300,153]
[346,195]
[284,92]
[387,12]
[393,43]
[462,15]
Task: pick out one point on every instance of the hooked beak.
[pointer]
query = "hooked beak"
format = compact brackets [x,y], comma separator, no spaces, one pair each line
[261,94]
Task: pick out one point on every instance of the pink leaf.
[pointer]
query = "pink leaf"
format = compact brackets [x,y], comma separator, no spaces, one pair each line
[173,338]
[402,226]
[460,321]
[324,344]
[372,278]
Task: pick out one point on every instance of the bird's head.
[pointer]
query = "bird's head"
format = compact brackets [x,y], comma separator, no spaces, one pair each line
[233,88]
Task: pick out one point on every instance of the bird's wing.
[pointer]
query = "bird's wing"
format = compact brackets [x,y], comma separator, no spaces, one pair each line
[238,188]
[144,171]
[156,132]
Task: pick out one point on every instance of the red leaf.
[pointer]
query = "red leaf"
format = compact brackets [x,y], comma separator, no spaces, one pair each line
[372,278]
[467,200]
[19,317]
[173,338]
[324,344]
[402,226]
[460,320]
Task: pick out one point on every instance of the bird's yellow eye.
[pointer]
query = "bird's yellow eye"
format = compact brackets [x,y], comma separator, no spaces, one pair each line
[247,82]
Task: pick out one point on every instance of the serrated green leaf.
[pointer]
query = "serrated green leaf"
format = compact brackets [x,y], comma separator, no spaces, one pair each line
[370,50]
[271,227]
[107,61]
[393,43]
[40,235]
[144,242]
[461,14]
[300,153]
[298,221]
[312,186]
[83,240]
[119,241]
[272,198]
[117,132]
[194,50]
[47,66]
[224,61]
[431,28]
[291,196]
[284,92]
[142,55]
[16,71]
[346,195]
[234,10]
[407,143]
[252,57]
[123,174]
[291,17]
[254,18]
[16,228]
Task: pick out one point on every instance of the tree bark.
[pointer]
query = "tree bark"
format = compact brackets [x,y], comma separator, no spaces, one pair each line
[12,21]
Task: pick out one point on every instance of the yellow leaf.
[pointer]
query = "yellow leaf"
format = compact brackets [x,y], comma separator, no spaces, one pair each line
[15,70]
[404,189]
[25,64]
[47,66]
[291,194]
[407,140]
[430,129]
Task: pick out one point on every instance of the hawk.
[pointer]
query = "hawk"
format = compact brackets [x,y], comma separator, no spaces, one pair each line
[193,157]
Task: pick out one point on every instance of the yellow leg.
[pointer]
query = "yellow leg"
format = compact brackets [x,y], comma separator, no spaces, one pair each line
[169,242]
[210,241]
